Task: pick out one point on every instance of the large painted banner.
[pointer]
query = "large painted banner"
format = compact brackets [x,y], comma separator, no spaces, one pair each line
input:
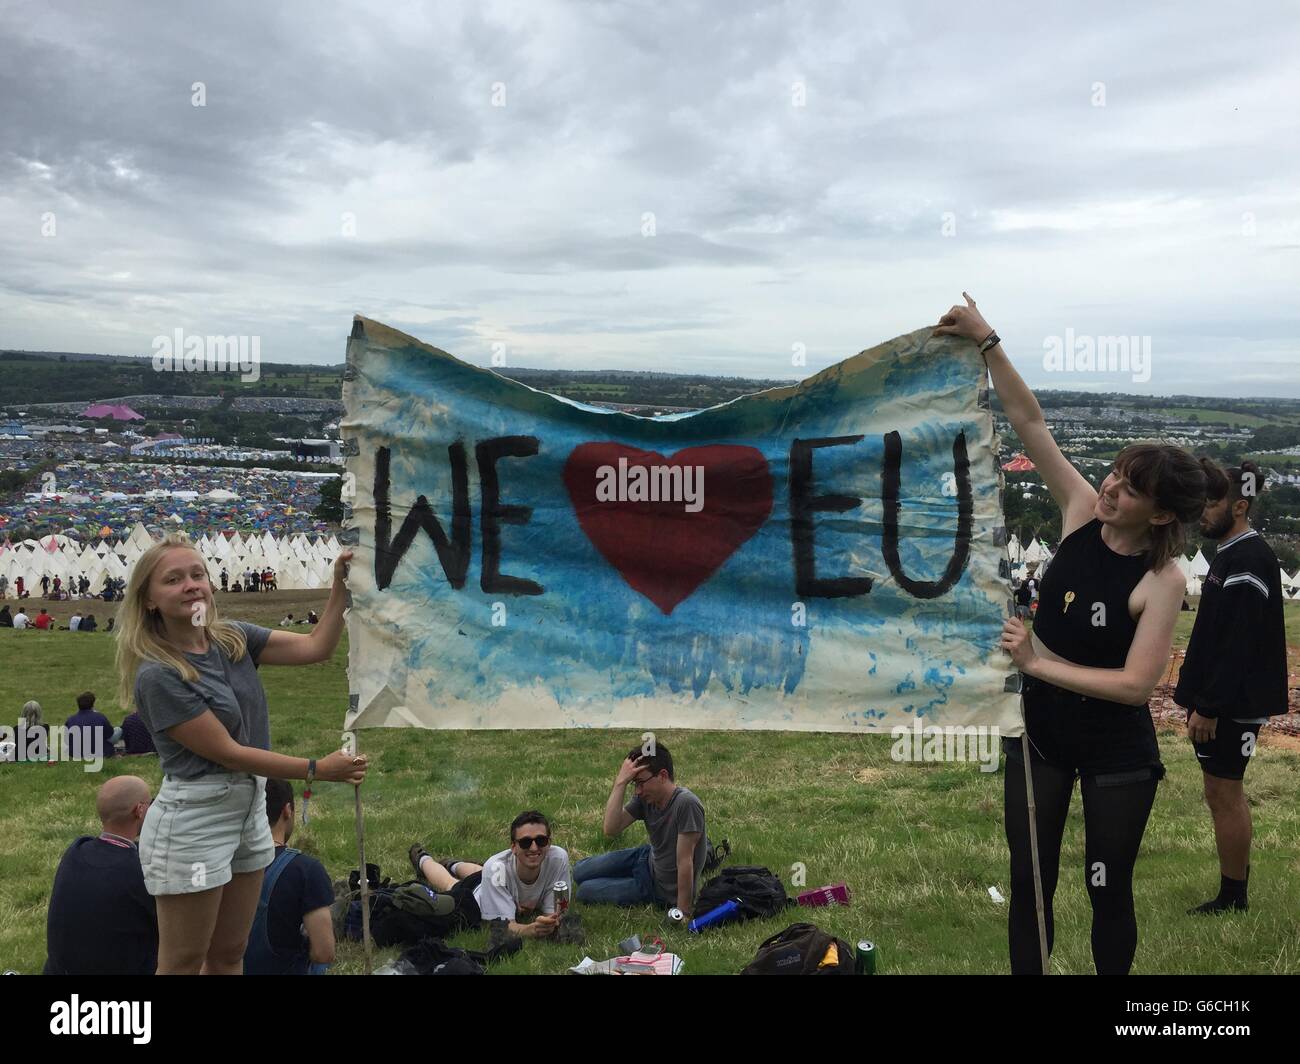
[828,556]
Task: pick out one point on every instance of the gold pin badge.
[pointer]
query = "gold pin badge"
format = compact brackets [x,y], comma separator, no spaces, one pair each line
[1069,597]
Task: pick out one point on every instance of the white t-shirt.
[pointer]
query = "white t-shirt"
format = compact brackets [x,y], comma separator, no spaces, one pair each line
[21,620]
[503,896]
[74,623]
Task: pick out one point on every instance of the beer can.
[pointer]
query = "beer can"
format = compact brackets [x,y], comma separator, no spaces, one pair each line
[865,958]
[561,892]
[675,918]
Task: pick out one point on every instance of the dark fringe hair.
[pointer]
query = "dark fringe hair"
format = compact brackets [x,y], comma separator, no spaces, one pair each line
[528,816]
[1174,481]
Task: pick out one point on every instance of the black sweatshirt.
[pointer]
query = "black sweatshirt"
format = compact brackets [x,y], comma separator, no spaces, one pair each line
[101,920]
[1236,659]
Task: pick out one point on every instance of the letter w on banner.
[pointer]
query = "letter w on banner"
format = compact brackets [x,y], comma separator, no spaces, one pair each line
[828,556]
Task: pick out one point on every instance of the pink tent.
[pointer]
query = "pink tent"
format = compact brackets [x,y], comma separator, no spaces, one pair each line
[117,413]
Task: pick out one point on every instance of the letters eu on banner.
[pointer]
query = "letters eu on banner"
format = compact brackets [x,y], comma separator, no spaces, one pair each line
[827,556]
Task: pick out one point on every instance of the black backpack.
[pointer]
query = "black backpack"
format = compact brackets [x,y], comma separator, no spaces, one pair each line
[391,924]
[759,892]
[798,950]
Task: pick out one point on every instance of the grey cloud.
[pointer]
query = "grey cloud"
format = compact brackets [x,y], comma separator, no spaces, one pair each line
[765,211]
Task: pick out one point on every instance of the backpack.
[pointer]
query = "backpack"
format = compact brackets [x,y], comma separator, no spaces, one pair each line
[799,950]
[400,913]
[759,892]
[346,910]
[408,912]
[715,855]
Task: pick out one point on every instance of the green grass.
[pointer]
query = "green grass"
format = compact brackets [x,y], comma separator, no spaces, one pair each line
[1222,417]
[918,844]
[598,389]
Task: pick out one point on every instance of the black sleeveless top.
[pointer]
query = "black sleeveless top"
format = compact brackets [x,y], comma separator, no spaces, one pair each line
[1094,627]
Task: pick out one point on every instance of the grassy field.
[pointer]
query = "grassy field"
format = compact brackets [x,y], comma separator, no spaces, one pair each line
[919,844]
[1223,417]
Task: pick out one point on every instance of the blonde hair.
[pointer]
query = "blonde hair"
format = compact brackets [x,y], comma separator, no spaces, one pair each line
[142,636]
[32,714]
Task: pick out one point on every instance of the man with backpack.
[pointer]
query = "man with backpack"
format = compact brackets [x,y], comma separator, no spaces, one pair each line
[664,871]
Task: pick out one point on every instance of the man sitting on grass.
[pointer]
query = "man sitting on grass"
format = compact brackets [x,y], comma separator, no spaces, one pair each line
[292,933]
[94,731]
[101,919]
[666,870]
[514,885]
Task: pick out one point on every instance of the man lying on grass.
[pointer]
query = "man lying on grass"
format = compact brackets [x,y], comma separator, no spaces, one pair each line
[664,871]
[514,885]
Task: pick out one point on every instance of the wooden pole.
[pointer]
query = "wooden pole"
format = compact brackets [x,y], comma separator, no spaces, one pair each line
[365,882]
[1033,841]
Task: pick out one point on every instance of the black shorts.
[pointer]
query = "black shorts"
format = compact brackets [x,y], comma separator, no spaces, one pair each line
[1109,742]
[466,907]
[1229,752]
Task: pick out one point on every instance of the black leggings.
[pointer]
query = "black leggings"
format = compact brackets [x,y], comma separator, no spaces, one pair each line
[1115,816]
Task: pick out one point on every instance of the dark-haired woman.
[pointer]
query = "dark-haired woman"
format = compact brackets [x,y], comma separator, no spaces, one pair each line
[1102,636]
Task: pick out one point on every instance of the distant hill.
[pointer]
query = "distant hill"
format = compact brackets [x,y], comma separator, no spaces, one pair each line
[43,377]
[31,377]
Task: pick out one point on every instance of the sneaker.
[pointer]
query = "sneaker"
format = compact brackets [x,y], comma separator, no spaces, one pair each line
[417,853]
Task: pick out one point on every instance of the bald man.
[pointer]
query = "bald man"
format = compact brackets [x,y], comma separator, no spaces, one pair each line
[101,920]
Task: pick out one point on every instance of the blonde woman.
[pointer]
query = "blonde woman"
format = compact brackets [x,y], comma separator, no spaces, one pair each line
[193,678]
[32,715]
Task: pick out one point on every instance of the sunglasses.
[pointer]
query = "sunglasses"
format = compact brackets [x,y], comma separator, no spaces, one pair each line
[542,842]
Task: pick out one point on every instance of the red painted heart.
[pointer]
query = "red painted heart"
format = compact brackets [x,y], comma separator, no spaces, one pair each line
[668,524]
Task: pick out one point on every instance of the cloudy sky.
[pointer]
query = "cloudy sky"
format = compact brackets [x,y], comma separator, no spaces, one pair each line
[690,187]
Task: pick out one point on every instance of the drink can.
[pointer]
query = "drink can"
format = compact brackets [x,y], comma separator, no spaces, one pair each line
[865,958]
[675,918]
[561,892]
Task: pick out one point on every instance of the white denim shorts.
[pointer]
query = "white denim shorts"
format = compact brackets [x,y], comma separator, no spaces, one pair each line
[200,832]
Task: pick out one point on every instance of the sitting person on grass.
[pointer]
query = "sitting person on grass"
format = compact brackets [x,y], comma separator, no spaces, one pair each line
[664,871]
[292,933]
[95,732]
[101,919]
[515,885]
[136,737]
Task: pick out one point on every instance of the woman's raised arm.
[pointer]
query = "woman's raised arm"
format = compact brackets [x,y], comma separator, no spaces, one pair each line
[1072,492]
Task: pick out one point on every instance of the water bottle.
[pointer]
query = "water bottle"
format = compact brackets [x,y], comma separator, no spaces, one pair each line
[716,916]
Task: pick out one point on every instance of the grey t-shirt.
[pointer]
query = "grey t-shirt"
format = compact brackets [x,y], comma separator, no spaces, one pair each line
[502,895]
[231,689]
[684,812]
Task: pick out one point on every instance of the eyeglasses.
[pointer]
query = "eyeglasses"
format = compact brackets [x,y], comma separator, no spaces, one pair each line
[542,841]
[644,779]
